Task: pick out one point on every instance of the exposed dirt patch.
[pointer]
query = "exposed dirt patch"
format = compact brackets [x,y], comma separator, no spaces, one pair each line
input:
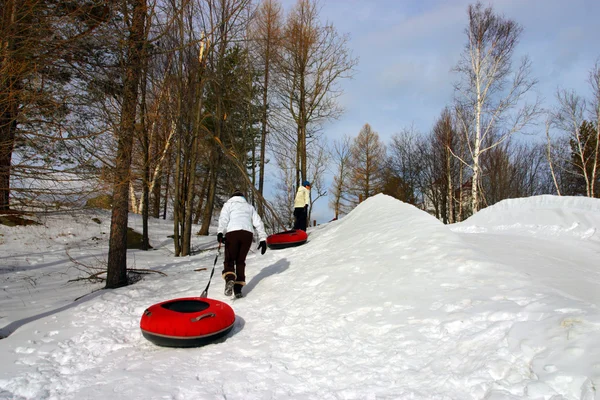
[134,239]
[16,219]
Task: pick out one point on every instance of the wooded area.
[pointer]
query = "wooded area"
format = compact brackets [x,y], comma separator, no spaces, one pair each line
[167,106]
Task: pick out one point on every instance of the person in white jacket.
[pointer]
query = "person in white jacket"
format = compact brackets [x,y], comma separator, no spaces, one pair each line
[237,222]
[301,206]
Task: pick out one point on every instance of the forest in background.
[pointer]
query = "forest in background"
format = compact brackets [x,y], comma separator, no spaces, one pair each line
[164,107]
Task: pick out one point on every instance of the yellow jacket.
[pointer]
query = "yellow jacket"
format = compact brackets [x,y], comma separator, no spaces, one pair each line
[302,197]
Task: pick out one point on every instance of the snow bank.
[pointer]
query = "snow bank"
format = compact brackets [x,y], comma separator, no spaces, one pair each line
[547,215]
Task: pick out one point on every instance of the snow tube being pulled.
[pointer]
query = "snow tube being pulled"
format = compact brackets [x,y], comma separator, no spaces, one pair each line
[281,240]
[187,322]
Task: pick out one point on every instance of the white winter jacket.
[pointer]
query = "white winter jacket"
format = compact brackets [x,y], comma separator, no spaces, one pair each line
[302,197]
[237,215]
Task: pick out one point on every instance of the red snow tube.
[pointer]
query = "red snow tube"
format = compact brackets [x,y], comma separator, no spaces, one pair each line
[281,240]
[187,322]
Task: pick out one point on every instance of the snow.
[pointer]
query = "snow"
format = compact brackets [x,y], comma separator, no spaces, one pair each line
[385,303]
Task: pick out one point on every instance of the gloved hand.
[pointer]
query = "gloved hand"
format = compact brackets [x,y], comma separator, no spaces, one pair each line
[220,238]
[262,246]
[306,208]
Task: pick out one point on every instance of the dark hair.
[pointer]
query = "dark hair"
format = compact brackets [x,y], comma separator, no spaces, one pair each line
[237,192]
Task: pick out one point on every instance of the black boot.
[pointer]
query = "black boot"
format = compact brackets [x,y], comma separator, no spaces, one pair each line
[237,290]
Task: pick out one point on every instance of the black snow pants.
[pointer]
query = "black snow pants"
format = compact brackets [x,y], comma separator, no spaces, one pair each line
[237,245]
[300,218]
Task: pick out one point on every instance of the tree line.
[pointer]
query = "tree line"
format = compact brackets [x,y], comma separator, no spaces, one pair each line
[471,158]
[169,105]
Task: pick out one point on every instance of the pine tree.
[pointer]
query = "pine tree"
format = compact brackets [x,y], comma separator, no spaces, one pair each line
[37,43]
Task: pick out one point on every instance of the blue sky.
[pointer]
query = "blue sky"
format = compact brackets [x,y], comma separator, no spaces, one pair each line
[406,49]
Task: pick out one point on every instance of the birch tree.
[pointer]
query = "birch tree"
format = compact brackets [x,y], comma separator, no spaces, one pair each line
[550,151]
[490,87]
[594,81]
[569,117]
[574,158]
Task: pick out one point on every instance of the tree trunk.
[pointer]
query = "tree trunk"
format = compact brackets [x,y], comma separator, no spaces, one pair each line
[8,127]
[549,157]
[202,196]
[187,232]
[476,148]
[302,130]
[156,193]
[596,157]
[146,157]
[10,90]
[117,254]
[450,188]
[212,191]
[263,138]
[460,193]
[178,180]
[167,186]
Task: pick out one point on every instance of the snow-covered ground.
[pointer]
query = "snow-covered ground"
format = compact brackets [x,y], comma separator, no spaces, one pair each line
[386,303]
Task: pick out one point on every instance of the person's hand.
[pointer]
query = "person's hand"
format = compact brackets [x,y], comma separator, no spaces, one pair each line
[306,208]
[262,246]
[220,238]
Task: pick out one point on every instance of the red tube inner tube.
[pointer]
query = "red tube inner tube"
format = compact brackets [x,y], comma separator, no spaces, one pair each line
[187,322]
[281,240]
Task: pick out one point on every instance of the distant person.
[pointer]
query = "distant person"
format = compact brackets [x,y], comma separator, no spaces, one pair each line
[301,206]
[237,221]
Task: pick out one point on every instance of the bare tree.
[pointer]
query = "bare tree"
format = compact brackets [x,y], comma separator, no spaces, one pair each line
[314,58]
[317,166]
[427,162]
[341,157]
[267,34]
[406,152]
[574,159]
[489,87]
[190,76]
[513,170]
[445,142]
[569,117]
[284,196]
[549,154]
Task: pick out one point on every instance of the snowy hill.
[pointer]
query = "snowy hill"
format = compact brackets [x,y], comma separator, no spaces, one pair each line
[576,217]
[385,303]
